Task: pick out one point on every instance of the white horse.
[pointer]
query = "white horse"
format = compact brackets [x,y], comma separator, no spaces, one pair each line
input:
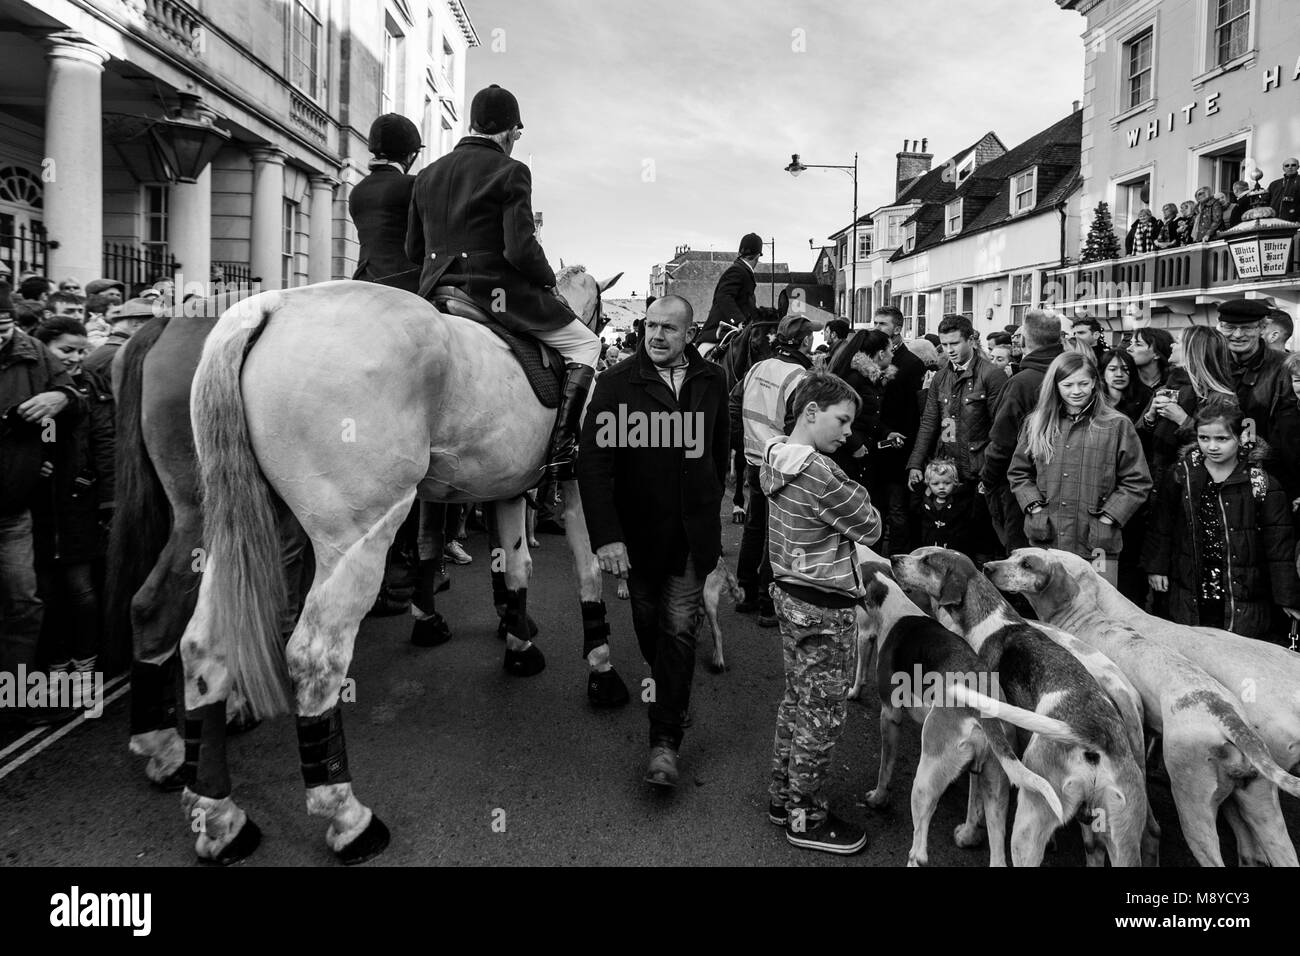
[343,401]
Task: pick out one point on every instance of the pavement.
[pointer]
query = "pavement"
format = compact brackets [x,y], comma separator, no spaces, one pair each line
[470,766]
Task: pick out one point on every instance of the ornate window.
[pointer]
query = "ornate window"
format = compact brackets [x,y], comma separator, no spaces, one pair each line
[21,186]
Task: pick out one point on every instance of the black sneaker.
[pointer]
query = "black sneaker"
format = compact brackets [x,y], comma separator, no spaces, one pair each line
[778,814]
[747,606]
[831,835]
[767,615]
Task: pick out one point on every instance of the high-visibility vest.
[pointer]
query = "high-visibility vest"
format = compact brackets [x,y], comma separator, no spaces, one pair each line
[768,387]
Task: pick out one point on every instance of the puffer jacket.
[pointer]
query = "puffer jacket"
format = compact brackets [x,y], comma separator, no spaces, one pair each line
[1097,468]
[968,399]
[71,502]
[1261,543]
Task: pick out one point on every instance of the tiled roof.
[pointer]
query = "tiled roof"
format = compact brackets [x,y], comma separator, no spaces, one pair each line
[934,186]
[986,194]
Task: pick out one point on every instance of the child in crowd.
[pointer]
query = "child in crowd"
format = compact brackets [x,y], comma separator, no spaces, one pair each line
[1222,543]
[70,518]
[943,509]
[816,515]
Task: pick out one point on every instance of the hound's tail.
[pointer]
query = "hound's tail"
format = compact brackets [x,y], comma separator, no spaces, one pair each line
[142,516]
[1050,727]
[239,519]
[1020,775]
[1252,747]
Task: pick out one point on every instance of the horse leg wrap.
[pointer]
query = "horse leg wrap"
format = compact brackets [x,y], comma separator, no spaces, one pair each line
[150,708]
[322,749]
[499,591]
[517,614]
[595,629]
[206,772]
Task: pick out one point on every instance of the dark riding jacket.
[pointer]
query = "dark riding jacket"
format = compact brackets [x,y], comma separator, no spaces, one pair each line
[380,205]
[471,226]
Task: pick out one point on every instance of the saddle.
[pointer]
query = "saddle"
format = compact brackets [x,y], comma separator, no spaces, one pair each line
[542,365]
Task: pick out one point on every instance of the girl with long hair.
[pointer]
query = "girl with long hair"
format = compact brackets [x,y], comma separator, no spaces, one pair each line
[864,361]
[1078,472]
[1152,351]
[1222,547]
[1120,384]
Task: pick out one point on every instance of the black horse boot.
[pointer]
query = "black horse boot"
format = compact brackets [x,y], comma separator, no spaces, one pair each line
[562,454]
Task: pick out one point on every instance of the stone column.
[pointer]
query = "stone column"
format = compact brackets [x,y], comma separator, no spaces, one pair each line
[266,238]
[320,239]
[190,230]
[73,165]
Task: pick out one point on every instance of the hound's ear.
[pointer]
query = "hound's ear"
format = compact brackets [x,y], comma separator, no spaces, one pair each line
[877,593]
[953,589]
[1041,569]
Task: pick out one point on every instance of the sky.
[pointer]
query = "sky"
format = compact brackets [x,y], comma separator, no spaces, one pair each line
[656,124]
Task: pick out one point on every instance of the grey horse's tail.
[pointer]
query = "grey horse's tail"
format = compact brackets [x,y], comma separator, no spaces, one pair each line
[239,519]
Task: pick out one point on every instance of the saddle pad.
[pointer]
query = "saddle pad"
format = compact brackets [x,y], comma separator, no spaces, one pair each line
[543,365]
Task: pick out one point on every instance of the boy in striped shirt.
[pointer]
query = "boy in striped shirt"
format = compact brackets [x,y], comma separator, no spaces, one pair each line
[816,515]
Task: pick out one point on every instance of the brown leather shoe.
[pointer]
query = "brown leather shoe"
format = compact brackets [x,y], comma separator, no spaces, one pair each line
[662,769]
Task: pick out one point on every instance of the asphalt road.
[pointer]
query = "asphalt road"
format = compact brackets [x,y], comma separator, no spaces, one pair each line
[443,744]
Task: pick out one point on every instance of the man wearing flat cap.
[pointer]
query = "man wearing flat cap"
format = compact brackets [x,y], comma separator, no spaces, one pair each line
[471,225]
[1258,375]
[733,297]
[380,203]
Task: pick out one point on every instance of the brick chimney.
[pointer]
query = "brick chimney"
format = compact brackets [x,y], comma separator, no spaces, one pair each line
[912,162]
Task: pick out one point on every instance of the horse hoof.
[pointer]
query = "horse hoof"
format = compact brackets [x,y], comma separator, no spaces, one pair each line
[503,630]
[606,689]
[525,663]
[372,842]
[430,632]
[240,848]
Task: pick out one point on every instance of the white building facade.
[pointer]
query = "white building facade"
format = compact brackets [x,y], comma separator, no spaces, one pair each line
[1180,94]
[295,84]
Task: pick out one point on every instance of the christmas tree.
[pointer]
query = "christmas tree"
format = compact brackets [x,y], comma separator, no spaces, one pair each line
[1102,243]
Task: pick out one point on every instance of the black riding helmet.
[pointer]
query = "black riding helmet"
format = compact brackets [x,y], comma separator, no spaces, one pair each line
[393,136]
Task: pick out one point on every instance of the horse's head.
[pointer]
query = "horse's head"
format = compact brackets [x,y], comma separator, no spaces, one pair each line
[582,291]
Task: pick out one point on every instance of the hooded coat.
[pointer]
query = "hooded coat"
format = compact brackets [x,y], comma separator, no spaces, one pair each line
[815,517]
[1261,569]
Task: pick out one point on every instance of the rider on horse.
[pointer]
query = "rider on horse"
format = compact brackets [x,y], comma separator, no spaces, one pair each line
[379,204]
[733,297]
[471,225]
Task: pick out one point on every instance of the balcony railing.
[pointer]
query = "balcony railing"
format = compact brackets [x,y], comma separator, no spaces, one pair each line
[1183,271]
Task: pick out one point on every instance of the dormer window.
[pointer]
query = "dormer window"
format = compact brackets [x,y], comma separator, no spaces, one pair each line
[952,218]
[909,237]
[966,167]
[1024,191]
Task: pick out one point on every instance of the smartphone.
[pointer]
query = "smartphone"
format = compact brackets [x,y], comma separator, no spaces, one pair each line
[888,443]
[1169,393]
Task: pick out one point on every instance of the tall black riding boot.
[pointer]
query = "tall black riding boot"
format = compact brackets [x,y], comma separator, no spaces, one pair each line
[563,452]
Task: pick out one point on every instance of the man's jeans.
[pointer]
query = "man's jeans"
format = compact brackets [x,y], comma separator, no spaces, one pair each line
[664,615]
[21,610]
[753,567]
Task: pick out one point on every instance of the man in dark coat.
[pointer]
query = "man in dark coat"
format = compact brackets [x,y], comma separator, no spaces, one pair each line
[733,296]
[471,225]
[35,392]
[1284,193]
[1258,376]
[380,204]
[1042,334]
[901,414]
[651,495]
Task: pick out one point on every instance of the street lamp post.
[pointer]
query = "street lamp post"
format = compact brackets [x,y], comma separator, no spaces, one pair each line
[794,169]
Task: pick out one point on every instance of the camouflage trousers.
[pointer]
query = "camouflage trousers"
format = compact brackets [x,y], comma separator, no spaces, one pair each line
[820,650]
